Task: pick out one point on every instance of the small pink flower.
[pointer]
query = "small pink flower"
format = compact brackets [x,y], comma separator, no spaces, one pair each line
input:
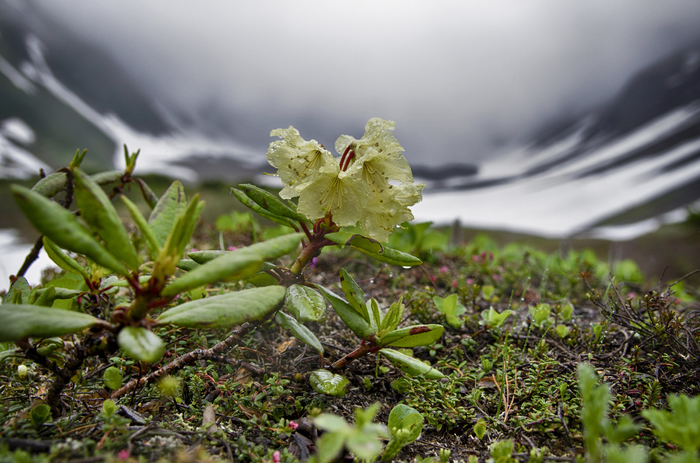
[194,250]
[454,283]
[469,281]
[294,425]
[433,278]
[496,277]
[123,454]
[632,295]
[232,248]
[313,263]
[475,258]
[276,457]
[444,269]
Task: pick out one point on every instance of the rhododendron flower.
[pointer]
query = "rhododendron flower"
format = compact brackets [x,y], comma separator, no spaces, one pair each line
[298,162]
[379,150]
[333,191]
[370,184]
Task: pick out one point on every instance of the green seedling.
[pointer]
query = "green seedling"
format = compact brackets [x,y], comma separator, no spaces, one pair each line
[566,312]
[109,408]
[563,331]
[480,429]
[680,424]
[492,319]
[540,315]
[112,378]
[487,292]
[363,438]
[597,425]
[419,238]
[451,308]
[405,425]
[501,452]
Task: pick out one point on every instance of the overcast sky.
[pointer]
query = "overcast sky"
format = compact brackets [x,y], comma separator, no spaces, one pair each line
[456,76]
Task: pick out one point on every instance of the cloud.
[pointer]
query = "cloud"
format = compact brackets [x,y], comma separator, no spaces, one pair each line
[458,77]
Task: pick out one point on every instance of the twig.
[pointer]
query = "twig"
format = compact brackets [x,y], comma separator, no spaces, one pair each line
[188,358]
[31,257]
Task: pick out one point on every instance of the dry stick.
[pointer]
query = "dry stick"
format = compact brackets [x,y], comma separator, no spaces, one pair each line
[31,257]
[188,358]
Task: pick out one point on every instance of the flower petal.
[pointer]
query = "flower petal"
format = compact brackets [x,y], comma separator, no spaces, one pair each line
[298,161]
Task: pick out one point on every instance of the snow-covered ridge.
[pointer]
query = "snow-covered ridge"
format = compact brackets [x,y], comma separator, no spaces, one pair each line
[565,201]
[161,152]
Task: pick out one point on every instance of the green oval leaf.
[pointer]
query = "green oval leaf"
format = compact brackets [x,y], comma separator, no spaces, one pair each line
[225,310]
[170,205]
[357,241]
[62,259]
[325,382]
[106,177]
[299,331]
[51,184]
[179,237]
[97,210]
[413,336]
[187,264]
[270,202]
[18,293]
[109,407]
[268,249]
[141,344]
[355,295]
[39,415]
[45,297]
[140,221]
[404,417]
[410,365]
[249,203]
[63,228]
[112,378]
[393,317]
[354,320]
[30,321]
[306,304]
[375,249]
[148,195]
[233,267]
[202,257]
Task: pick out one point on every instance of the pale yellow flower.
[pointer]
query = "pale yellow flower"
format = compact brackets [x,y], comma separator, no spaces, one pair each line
[379,147]
[387,210]
[373,185]
[298,162]
[343,194]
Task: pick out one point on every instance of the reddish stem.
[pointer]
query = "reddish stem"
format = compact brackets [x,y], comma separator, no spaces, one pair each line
[361,351]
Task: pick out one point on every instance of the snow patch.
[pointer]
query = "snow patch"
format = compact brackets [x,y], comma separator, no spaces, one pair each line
[160,152]
[15,161]
[14,251]
[556,204]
